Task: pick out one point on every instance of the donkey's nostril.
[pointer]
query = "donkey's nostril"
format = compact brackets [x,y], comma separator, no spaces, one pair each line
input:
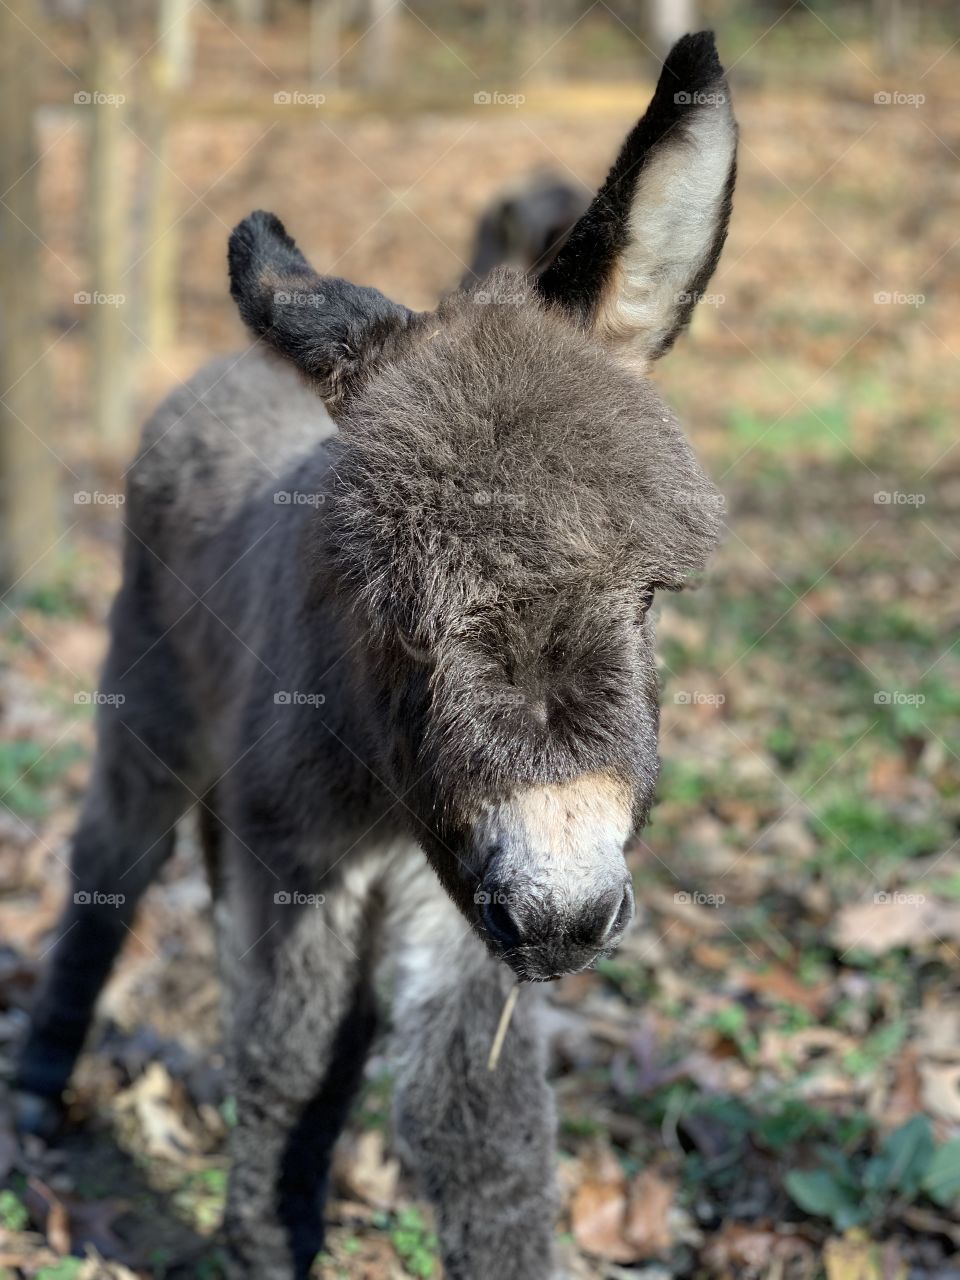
[499,923]
[620,916]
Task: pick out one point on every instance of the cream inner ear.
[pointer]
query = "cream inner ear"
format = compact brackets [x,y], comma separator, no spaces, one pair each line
[676,211]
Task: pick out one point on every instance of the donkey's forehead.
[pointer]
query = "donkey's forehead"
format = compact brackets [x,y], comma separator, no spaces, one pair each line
[495,384]
[502,452]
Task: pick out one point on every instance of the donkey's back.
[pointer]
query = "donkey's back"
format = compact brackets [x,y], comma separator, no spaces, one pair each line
[227,478]
[220,451]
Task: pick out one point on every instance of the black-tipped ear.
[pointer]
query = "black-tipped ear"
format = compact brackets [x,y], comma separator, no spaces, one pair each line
[330,329]
[635,264]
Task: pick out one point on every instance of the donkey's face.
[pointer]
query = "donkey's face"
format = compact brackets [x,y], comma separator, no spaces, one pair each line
[507,495]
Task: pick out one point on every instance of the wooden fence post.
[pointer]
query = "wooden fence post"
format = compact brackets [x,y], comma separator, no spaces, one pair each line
[29,474]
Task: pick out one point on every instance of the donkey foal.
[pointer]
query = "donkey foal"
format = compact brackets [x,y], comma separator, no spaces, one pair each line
[404,668]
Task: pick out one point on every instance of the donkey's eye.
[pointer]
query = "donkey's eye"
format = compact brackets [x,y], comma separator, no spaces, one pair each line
[644,603]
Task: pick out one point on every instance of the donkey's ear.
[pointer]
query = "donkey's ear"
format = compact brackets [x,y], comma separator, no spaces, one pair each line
[333,331]
[636,262]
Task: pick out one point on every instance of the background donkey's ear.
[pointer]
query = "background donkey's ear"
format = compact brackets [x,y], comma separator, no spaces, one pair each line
[330,329]
[640,256]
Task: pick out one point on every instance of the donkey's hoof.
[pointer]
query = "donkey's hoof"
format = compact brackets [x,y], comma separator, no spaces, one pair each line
[37,1115]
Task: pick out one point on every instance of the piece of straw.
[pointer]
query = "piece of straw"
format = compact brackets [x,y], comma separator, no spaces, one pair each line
[503,1026]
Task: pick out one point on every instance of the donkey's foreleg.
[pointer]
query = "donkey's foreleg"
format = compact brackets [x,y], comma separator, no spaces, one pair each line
[136,795]
[125,834]
[481,1140]
[302,1023]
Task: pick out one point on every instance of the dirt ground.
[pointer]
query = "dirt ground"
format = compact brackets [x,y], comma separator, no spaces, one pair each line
[765,1081]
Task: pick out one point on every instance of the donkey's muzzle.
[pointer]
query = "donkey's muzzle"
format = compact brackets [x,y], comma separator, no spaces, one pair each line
[541,936]
[555,893]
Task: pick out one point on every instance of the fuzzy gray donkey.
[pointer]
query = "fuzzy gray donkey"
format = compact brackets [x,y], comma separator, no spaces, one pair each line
[384,621]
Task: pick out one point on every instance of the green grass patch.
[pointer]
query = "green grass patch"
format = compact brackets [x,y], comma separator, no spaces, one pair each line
[823,432]
[58,596]
[64,1269]
[414,1244]
[28,769]
[13,1212]
[201,1198]
[855,833]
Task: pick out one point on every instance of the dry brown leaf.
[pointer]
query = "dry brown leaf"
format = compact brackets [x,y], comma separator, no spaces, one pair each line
[597,1216]
[856,1257]
[929,1223]
[151,1098]
[24,921]
[889,777]
[71,1225]
[23,1249]
[908,921]
[782,985]
[790,838]
[46,1207]
[647,1226]
[78,644]
[941,1089]
[366,1172]
[96,1268]
[617,1221]
[938,1030]
[710,956]
[599,1206]
[796,1047]
[744,1250]
[680,905]
[905,1096]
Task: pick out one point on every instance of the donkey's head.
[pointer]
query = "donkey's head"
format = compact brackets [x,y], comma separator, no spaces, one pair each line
[506,495]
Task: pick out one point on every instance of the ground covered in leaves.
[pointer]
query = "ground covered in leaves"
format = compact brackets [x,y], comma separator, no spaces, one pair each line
[765,1081]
